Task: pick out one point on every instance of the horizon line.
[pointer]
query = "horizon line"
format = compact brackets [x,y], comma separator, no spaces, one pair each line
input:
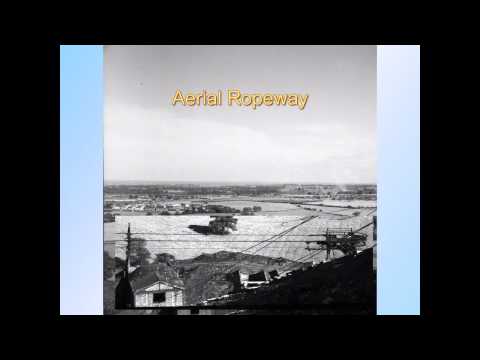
[240,182]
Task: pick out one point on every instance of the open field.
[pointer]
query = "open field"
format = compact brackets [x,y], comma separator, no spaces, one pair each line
[266,206]
[182,242]
[344,203]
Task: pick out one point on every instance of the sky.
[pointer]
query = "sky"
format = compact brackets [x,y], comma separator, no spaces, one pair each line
[333,140]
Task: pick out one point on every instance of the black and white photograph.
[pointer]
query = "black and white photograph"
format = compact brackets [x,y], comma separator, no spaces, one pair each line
[240,180]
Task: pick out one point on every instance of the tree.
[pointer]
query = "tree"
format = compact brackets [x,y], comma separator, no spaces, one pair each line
[119,263]
[108,266]
[165,258]
[139,253]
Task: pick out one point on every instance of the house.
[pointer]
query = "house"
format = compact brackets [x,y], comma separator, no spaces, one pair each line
[273,274]
[157,286]
[241,280]
[256,280]
[238,279]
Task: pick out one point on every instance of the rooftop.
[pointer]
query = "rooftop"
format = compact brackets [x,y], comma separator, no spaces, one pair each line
[148,275]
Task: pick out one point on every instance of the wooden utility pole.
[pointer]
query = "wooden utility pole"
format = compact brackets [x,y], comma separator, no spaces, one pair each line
[124,297]
[127,252]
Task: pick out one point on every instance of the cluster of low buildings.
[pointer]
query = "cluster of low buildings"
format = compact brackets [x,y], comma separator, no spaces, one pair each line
[160,286]
[354,195]
[151,206]
[333,192]
[177,208]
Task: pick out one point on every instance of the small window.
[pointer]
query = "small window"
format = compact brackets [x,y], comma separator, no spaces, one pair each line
[159,297]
